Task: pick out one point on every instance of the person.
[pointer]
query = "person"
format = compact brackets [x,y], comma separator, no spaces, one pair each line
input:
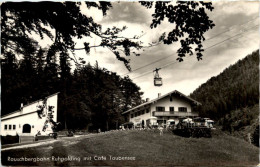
[55,135]
[161,130]
[210,125]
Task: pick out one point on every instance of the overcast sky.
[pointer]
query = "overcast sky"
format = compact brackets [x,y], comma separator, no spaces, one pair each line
[225,49]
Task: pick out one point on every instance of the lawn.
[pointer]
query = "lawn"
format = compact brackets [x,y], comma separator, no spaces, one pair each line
[138,148]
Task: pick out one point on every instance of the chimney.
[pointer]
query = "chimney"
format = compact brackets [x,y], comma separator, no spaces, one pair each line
[159,94]
[147,99]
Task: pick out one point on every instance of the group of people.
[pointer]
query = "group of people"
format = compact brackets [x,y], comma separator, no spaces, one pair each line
[159,127]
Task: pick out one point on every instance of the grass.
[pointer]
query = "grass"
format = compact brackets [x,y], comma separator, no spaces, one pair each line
[147,147]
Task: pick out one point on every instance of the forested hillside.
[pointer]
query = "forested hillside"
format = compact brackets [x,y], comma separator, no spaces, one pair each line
[236,87]
[232,98]
[90,97]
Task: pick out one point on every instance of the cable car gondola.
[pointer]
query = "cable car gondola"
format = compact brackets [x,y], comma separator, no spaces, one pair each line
[157,78]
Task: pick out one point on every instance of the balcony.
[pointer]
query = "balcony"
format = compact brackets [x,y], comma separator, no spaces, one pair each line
[175,113]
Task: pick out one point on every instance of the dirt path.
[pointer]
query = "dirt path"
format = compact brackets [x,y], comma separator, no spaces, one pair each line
[67,140]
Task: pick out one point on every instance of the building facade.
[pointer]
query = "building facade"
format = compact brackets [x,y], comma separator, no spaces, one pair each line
[31,119]
[171,106]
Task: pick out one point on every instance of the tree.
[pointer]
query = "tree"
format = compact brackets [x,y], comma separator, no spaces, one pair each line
[62,22]
[9,84]
[235,88]
[190,22]
[20,21]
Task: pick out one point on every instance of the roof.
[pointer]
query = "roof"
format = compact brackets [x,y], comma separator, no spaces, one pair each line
[2,116]
[3,119]
[168,94]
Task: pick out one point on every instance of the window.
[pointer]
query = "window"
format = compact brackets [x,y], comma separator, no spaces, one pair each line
[160,109]
[142,111]
[170,98]
[14,127]
[153,113]
[5,127]
[171,110]
[136,114]
[182,109]
[132,115]
[10,127]
[147,110]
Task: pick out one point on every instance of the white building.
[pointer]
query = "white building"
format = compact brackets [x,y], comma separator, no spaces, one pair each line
[31,119]
[170,106]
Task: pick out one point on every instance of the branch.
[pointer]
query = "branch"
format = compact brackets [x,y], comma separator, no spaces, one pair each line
[94,46]
[111,37]
[75,59]
[126,62]
[120,37]
[152,44]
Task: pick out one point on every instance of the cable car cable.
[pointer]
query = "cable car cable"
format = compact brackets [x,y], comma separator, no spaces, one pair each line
[204,50]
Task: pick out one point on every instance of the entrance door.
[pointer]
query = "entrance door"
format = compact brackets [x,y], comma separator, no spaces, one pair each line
[26,128]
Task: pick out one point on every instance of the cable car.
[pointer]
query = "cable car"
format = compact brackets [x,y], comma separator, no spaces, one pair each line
[157,78]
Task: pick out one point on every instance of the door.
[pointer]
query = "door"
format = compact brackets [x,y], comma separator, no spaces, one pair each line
[26,128]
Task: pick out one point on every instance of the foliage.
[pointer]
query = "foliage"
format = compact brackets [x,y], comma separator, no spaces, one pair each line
[40,109]
[63,22]
[232,97]
[103,97]
[242,122]
[190,22]
[193,132]
[238,119]
[235,88]
[91,97]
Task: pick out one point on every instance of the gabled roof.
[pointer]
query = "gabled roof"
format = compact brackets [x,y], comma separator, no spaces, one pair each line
[3,116]
[168,94]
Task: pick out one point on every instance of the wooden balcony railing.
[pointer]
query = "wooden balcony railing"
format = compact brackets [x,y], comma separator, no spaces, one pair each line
[175,113]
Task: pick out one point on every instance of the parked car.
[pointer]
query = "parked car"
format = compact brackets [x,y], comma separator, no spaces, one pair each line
[203,122]
[170,123]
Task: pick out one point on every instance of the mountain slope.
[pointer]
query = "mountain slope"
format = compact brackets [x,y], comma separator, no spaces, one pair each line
[232,98]
[236,87]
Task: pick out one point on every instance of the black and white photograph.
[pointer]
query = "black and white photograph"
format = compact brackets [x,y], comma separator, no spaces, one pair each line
[130,83]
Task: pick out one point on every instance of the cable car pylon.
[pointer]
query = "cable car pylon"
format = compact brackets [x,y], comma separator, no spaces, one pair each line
[157,78]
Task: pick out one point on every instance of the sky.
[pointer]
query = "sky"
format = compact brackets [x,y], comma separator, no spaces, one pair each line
[235,35]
